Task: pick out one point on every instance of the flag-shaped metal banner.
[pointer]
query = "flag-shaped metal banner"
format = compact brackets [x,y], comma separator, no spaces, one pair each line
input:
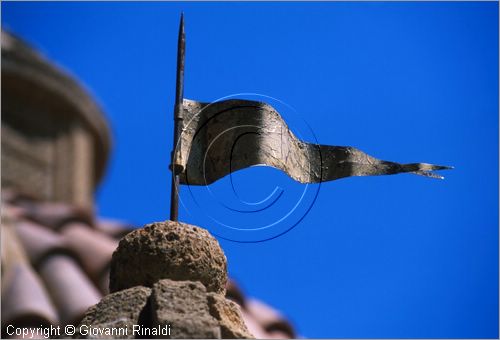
[213,140]
[226,136]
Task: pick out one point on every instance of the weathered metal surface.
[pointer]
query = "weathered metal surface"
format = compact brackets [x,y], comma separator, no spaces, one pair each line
[178,116]
[223,137]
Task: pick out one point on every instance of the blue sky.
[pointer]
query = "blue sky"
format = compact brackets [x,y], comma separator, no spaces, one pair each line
[390,256]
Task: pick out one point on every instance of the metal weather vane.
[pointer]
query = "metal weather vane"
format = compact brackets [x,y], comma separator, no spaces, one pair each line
[178,114]
[211,140]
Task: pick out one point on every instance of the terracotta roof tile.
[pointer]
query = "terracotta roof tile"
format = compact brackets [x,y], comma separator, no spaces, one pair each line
[12,249]
[55,215]
[71,291]
[113,228]
[38,241]
[270,319]
[278,335]
[253,325]
[94,249]
[262,320]
[55,264]
[24,298]
[11,211]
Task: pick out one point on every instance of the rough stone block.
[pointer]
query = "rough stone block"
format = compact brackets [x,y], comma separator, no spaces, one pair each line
[229,316]
[183,306]
[168,250]
[120,310]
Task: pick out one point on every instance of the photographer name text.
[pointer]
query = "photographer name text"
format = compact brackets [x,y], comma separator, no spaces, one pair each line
[87,330]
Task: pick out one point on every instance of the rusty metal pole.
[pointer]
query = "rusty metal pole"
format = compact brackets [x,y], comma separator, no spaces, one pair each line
[178,114]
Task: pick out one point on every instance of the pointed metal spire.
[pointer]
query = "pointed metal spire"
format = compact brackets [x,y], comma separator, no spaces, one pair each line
[178,114]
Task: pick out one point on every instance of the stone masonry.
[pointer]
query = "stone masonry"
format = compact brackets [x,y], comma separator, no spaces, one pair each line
[168,277]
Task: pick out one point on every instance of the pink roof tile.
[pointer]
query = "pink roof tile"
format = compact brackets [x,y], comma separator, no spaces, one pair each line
[94,249]
[71,252]
[71,291]
[24,298]
[38,241]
